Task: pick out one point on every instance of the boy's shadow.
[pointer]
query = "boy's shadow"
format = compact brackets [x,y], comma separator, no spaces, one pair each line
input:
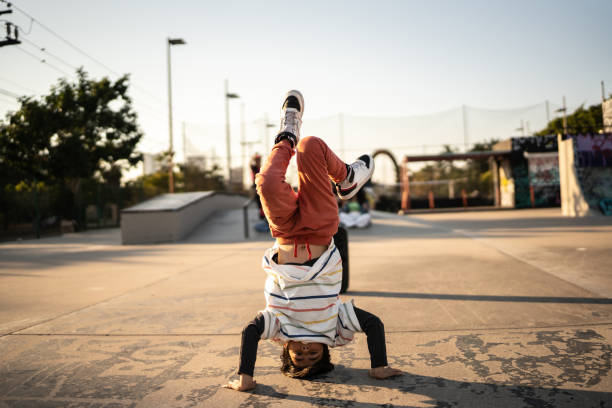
[412,390]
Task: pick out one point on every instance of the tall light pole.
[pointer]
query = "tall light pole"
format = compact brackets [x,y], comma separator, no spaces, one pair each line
[228,96]
[171,41]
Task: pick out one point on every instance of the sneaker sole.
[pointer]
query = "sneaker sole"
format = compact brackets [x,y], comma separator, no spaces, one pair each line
[299,97]
[357,186]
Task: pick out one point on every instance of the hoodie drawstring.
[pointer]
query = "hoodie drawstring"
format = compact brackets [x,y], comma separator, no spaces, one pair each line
[295,249]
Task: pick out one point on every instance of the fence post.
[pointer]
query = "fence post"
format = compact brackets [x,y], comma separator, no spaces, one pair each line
[36,209]
[245,217]
[99,205]
[405,179]
[432,204]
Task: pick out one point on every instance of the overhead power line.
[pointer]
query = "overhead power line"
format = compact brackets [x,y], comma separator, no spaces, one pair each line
[65,41]
[55,57]
[8,100]
[8,93]
[17,85]
[42,60]
[80,51]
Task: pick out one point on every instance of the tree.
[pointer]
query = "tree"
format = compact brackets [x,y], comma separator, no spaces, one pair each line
[581,121]
[78,130]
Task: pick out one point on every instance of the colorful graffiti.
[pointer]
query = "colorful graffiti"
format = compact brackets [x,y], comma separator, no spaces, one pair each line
[544,178]
[534,144]
[593,150]
[594,168]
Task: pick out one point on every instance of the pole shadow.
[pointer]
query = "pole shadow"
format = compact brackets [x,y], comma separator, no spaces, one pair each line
[482,298]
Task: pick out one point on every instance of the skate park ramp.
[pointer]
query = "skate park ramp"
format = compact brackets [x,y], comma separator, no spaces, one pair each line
[228,226]
[172,217]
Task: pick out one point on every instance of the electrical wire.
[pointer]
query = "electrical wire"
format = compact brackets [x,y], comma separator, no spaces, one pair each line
[9,93]
[8,100]
[43,61]
[17,85]
[79,50]
[44,49]
[71,45]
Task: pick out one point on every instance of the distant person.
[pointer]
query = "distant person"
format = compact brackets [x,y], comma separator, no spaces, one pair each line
[255,168]
[356,213]
[262,225]
[304,312]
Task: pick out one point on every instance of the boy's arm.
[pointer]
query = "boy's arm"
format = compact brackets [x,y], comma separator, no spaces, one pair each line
[248,354]
[374,329]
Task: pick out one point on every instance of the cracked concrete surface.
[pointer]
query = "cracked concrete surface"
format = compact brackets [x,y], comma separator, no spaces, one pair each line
[499,308]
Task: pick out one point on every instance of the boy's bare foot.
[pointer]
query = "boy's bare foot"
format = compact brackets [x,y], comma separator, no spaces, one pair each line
[244,383]
[384,372]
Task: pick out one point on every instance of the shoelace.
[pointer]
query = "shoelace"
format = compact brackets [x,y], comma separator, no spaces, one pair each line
[290,119]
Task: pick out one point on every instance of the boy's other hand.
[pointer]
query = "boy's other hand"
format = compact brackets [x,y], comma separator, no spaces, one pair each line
[244,383]
[384,372]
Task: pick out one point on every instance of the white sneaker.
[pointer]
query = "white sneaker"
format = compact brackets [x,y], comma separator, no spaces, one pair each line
[291,118]
[359,173]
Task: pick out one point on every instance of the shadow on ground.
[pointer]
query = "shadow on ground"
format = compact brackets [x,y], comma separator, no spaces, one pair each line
[417,390]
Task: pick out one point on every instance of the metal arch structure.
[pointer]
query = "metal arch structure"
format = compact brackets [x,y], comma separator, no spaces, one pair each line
[389,155]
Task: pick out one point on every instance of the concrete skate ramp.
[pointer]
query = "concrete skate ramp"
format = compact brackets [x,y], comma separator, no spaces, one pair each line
[172,217]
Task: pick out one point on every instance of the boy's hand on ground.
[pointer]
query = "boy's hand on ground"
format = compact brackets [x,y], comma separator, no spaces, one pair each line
[244,383]
[384,372]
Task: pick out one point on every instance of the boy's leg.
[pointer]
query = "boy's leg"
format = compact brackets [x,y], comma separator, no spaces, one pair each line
[278,200]
[318,166]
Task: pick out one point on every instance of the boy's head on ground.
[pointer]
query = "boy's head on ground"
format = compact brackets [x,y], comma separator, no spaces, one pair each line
[303,360]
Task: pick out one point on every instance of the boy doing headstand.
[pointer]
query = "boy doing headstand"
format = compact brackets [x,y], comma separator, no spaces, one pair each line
[304,268]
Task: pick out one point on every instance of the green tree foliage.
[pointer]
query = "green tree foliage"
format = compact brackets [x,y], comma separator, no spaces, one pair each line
[189,177]
[78,130]
[583,120]
[193,178]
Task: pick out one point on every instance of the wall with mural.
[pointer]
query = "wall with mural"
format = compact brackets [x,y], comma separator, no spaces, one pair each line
[544,178]
[594,167]
[533,167]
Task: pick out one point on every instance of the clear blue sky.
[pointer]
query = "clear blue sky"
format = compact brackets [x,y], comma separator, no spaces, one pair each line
[372,58]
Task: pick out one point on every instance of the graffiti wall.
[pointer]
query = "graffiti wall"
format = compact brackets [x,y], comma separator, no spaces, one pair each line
[506,184]
[593,150]
[534,144]
[540,173]
[594,167]
[544,178]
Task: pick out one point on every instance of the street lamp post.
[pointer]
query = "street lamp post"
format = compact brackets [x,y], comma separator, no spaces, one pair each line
[228,96]
[171,41]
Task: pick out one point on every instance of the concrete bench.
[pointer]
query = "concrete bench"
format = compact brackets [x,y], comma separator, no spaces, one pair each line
[171,217]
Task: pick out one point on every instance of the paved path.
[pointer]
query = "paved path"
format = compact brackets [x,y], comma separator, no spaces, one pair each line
[482,309]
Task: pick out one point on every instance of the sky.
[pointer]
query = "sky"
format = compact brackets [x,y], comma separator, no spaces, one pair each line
[365,60]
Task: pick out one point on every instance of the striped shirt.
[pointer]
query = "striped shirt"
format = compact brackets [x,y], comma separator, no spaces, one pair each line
[303,303]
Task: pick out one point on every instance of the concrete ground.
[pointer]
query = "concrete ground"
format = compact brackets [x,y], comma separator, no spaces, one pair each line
[481,309]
